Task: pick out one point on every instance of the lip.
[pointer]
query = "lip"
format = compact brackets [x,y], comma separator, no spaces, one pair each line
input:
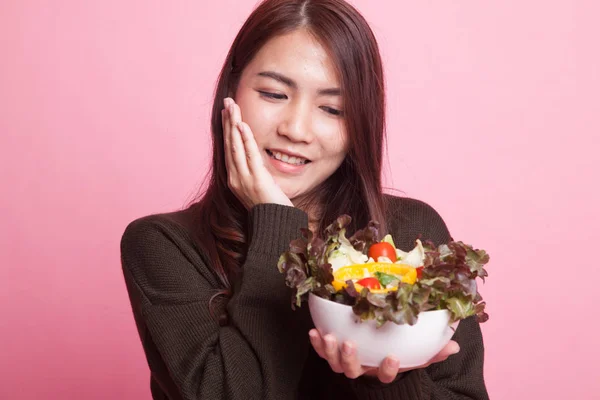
[289,153]
[283,167]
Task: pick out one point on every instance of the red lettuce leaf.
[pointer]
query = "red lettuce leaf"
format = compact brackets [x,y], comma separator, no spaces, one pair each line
[364,238]
[448,279]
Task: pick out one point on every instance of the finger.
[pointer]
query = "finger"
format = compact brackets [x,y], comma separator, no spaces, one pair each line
[451,348]
[317,342]
[238,152]
[388,369]
[234,115]
[253,155]
[227,140]
[332,353]
[349,361]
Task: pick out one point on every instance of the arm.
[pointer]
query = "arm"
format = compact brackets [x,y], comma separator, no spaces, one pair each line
[258,354]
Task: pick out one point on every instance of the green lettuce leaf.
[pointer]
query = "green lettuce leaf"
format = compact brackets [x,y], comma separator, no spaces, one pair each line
[385,279]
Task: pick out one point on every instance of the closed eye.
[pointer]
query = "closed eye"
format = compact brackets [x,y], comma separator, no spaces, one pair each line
[332,111]
[269,95]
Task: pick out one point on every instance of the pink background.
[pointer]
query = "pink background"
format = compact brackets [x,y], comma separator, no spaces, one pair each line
[104,118]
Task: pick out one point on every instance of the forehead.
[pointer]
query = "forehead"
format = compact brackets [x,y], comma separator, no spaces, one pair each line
[299,56]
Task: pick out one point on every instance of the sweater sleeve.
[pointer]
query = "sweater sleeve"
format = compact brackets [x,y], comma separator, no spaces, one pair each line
[460,377]
[258,354]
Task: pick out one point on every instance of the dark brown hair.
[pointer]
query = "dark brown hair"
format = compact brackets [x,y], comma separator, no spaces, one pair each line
[355,188]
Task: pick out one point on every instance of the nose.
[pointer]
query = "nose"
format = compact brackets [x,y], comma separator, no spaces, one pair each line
[296,123]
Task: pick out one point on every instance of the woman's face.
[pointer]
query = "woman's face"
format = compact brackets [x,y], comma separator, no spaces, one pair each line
[289,95]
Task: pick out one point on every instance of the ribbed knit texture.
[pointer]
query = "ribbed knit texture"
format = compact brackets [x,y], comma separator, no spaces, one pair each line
[272,225]
[263,351]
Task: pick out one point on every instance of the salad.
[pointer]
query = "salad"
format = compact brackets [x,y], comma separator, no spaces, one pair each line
[382,282]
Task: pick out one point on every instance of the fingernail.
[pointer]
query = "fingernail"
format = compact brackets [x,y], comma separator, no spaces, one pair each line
[393,362]
[313,334]
[347,349]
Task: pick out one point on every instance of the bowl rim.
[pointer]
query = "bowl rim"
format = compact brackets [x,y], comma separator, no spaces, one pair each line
[319,298]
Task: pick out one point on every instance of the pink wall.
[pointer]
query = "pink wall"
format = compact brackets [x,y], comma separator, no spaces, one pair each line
[103,118]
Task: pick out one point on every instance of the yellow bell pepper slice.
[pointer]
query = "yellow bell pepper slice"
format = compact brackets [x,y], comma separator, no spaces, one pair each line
[406,273]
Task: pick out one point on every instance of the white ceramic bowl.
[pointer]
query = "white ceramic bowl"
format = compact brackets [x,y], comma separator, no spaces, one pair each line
[413,345]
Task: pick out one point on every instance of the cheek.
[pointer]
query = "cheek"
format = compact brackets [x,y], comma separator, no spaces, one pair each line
[334,140]
[257,114]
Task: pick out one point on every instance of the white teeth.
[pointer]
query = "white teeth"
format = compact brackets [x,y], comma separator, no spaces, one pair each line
[288,159]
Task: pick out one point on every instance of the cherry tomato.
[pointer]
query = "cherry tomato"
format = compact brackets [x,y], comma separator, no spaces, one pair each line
[419,272]
[382,249]
[371,283]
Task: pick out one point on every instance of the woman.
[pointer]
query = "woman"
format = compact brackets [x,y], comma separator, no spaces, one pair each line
[298,125]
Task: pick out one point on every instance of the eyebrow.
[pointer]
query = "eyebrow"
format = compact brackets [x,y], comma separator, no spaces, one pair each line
[290,83]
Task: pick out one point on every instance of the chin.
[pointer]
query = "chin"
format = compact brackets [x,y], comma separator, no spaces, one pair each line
[294,193]
[291,194]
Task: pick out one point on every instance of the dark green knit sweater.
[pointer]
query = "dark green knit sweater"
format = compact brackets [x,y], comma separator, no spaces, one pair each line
[263,351]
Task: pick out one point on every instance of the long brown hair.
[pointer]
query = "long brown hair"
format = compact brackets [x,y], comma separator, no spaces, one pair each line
[355,188]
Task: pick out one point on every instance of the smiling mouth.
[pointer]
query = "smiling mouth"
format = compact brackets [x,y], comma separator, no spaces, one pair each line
[292,160]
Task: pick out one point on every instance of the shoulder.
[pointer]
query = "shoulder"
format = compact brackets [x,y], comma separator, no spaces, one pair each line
[176,226]
[145,231]
[160,256]
[408,209]
[397,203]
[411,218]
